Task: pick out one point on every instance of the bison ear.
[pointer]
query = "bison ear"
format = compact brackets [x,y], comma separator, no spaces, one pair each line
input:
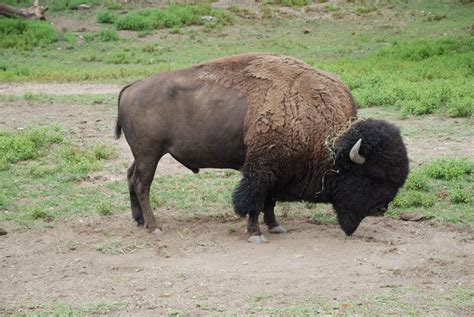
[354,153]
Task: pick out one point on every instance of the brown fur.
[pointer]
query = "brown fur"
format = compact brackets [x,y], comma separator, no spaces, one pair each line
[291,106]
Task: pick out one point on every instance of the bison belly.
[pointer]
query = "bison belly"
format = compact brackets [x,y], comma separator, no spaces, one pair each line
[199,124]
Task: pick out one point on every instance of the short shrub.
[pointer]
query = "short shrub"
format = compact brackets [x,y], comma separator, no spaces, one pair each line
[460,107]
[365,10]
[449,169]
[26,34]
[135,22]
[411,198]
[417,180]
[459,195]
[420,50]
[38,213]
[104,152]
[106,17]
[108,35]
[26,145]
[104,208]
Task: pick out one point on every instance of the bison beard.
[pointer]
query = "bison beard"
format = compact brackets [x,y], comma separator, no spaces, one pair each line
[269,117]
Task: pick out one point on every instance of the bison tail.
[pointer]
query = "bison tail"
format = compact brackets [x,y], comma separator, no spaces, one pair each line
[247,197]
[118,129]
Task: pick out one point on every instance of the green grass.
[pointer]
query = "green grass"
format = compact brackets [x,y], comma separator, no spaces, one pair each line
[41,164]
[408,301]
[80,99]
[174,16]
[25,34]
[59,309]
[441,190]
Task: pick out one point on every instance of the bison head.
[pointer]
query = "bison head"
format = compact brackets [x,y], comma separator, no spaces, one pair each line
[372,165]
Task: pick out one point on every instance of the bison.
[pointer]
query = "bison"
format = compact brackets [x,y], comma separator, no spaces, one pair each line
[290,129]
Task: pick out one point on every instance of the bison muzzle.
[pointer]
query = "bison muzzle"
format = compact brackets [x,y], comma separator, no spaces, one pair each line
[290,129]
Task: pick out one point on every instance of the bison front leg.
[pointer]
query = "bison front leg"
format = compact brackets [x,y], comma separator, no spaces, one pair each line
[249,198]
[140,180]
[269,217]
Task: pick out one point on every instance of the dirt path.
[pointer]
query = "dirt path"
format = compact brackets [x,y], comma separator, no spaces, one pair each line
[58,89]
[204,267]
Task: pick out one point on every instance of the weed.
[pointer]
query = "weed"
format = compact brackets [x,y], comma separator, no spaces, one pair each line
[411,198]
[108,35]
[459,195]
[106,17]
[104,152]
[449,169]
[39,213]
[104,208]
[25,145]
[365,10]
[417,180]
[25,34]
[173,17]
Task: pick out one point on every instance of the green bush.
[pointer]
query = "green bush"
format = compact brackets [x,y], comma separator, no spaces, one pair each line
[26,34]
[459,195]
[104,152]
[449,169]
[173,16]
[420,50]
[135,21]
[26,145]
[106,17]
[108,35]
[104,208]
[417,180]
[411,198]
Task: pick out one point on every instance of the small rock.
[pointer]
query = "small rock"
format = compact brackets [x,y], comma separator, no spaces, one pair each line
[2,232]
[412,216]
[84,7]
[306,31]
[299,256]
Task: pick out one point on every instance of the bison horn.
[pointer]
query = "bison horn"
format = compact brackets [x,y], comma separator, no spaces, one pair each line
[354,153]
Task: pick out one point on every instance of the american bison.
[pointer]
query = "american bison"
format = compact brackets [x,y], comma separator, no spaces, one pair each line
[290,129]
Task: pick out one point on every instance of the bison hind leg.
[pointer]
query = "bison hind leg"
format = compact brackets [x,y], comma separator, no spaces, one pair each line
[137,212]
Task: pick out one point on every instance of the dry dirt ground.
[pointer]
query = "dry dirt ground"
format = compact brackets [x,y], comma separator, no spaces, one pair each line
[206,266]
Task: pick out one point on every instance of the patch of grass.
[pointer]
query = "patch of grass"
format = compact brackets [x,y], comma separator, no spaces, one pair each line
[104,208]
[172,17]
[58,309]
[26,34]
[419,77]
[441,190]
[291,3]
[108,35]
[450,169]
[26,145]
[106,17]
[81,99]
[365,10]
[46,186]
[118,247]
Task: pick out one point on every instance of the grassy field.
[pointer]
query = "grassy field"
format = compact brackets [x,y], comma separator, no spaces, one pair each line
[412,59]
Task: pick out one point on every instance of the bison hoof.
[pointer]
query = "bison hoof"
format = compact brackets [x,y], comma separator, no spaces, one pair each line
[257,239]
[277,229]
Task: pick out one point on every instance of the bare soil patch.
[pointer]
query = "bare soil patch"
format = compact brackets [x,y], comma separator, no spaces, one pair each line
[201,267]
